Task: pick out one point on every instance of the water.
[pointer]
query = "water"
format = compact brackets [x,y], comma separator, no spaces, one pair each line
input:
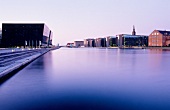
[91,79]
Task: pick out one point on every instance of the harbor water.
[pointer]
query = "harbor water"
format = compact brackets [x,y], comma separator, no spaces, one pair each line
[91,79]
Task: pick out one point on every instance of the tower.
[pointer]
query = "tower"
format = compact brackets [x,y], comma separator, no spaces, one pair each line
[133,32]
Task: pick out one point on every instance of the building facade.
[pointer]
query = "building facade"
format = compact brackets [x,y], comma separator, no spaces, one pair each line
[126,40]
[0,35]
[159,38]
[78,43]
[111,41]
[25,34]
[100,42]
[89,43]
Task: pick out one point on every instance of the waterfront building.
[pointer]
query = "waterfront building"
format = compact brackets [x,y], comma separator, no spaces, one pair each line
[26,35]
[159,38]
[89,43]
[78,43]
[111,41]
[100,42]
[0,35]
[70,45]
[127,40]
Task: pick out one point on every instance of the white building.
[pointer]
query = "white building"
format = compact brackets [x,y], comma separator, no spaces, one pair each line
[78,43]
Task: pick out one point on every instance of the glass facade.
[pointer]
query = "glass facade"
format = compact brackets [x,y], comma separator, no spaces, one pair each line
[47,36]
[0,36]
[32,35]
[103,42]
[135,41]
[113,41]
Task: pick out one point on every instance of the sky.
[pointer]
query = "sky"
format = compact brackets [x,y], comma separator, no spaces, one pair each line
[72,20]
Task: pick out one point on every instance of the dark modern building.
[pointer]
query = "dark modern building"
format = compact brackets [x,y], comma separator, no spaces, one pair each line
[25,34]
[0,35]
[127,40]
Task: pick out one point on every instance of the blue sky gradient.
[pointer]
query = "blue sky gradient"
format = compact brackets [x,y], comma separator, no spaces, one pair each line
[78,19]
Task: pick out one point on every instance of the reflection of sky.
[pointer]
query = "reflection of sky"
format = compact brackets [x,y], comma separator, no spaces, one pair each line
[91,78]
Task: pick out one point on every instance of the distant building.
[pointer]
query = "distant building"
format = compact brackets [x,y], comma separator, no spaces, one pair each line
[89,43]
[111,41]
[159,38]
[100,42]
[127,40]
[78,43]
[70,45]
[0,35]
[25,34]
[85,43]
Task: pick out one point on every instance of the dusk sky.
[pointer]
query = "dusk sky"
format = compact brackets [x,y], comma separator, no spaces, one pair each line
[79,19]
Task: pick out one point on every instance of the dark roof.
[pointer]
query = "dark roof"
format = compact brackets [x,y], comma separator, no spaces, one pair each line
[22,23]
[164,32]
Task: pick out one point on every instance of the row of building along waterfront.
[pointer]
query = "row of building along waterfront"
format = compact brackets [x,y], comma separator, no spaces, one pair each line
[156,38]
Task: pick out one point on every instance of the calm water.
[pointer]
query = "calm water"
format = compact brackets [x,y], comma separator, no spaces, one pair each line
[93,79]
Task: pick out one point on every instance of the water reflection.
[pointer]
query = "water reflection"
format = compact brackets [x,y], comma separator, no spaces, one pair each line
[91,79]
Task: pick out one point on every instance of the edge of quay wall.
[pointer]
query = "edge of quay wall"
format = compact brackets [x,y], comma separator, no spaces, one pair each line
[7,73]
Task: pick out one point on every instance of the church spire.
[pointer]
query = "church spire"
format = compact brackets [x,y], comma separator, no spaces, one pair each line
[133,32]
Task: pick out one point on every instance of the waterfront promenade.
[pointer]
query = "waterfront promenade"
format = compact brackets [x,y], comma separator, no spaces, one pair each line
[12,59]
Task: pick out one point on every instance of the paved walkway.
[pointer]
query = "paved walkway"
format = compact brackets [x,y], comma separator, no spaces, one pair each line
[4,70]
[5,50]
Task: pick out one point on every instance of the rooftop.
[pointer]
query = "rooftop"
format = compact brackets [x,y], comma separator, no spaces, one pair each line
[129,35]
[164,32]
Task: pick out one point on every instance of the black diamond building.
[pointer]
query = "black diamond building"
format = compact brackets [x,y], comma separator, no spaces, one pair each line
[25,35]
